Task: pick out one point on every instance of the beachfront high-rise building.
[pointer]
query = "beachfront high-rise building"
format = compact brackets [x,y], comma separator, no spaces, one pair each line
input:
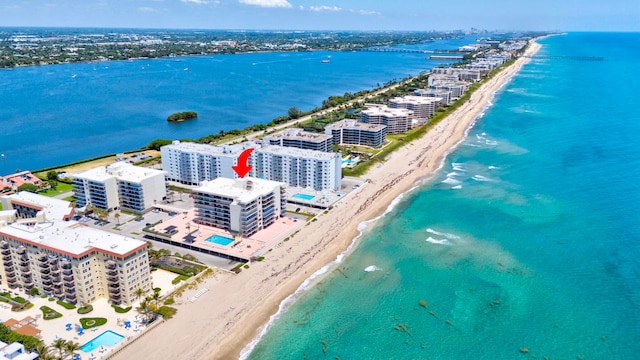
[301,168]
[352,132]
[67,259]
[423,107]
[195,163]
[301,139]
[456,88]
[191,163]
[239,205]
[396,120]
[132,188]
[444,95]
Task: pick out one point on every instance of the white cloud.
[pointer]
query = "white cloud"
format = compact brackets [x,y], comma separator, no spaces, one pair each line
[324,8]
[197,2]
[364,12]
[146,9]
[267,3]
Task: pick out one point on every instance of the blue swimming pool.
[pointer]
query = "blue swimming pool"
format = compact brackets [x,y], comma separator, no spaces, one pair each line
[107,338]
[220,240]
[303,197]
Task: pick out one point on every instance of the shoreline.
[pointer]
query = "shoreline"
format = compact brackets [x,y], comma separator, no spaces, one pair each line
[224,326]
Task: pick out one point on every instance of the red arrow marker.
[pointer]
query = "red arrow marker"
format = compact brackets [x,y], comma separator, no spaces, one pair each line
[242,169]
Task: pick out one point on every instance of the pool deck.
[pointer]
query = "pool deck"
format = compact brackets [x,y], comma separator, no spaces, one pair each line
[242,248]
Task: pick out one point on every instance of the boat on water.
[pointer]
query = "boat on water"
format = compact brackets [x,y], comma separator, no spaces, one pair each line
[325,60]
[73,76]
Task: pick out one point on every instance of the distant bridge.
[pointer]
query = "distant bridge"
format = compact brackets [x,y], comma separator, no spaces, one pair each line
[565,57]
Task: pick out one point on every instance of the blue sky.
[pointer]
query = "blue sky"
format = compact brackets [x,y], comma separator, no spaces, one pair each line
[572,15]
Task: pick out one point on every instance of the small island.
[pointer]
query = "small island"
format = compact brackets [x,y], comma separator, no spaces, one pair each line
[182,116]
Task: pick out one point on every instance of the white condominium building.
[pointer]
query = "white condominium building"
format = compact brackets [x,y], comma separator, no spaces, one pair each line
[191,163]
[445,96]
[299,138]
[132,188]
[297,167]
[456,88]
[422,107]
[239,205]
[352,132]
[396,120]
[67,259]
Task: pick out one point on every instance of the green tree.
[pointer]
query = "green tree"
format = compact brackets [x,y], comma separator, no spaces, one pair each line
[28,187]
[294,112]
[52,175]
[59,345]
[117,216]
[139,293]
[71,347]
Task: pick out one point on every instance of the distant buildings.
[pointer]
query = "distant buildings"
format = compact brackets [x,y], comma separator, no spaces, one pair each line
[239,205]
[122,185]
[41,249]
[301,139]
[352,132]
[396,120]
[444,96]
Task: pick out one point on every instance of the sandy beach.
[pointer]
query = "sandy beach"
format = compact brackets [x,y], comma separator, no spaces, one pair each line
[225,319]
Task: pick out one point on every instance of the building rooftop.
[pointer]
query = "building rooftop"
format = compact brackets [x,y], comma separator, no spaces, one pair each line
[383,110]
[20,178]
[73,238]
[296,152]
[299,134]
[411,99]
[242,190]
[354,124]
[206,149]
[120,170]
[54,209]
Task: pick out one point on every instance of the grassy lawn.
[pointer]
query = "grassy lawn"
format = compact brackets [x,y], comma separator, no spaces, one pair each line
[49,314]
[65,305]
[120,310]
[61,188]
[88,323]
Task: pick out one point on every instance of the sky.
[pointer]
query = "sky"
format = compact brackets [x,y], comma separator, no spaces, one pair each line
[565,15]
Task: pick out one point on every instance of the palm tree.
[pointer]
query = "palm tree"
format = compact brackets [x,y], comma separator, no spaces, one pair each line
[72,347]
[43,350]
[117,216]
[139,293]
[156,297]
[144,307]
[60,345]
[171,193]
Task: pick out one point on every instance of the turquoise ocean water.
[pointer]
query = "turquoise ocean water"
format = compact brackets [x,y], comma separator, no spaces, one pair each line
[528,237]
[56,114]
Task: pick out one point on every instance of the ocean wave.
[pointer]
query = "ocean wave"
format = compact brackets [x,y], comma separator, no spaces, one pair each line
[491,167]
[450,181]
[457,187]
[480,178]
[459,166]
[438,241]
[447,235]
[372,268]
[491,142]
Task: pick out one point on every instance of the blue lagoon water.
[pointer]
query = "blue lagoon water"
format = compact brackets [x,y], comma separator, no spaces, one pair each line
[51,115]
[528,237]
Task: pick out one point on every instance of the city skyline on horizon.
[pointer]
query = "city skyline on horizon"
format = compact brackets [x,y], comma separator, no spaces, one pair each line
[321,15]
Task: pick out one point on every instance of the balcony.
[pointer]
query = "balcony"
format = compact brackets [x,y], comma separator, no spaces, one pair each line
[68,272]
[112,272]
[43,265]
[42,257]
[67,278]
[6,257]
[66,265]
[45,277]
[24,263]
[53,261]
[29,286]
[69,286]
[111,264]
[47,288]
[71,298]
[6,251]
[58,292]
[115,297]
[114,286]
[12,280]
[112,279]
[21,250]
[4,245]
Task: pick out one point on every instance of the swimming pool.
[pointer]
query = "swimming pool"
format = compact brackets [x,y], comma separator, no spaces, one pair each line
[220,240]
[303,197]
[107,338]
